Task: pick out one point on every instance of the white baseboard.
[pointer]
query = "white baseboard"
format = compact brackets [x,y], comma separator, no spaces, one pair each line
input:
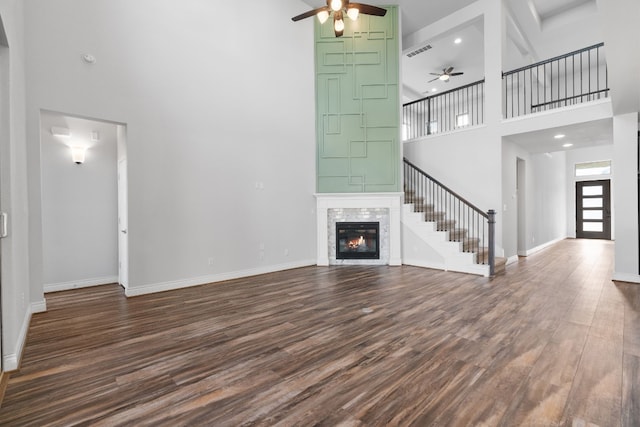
[203,280]
[511,260]
[76,284]
[39,307]
[424,264]
[11,361]
[626,277]
[477,269]
[543,246]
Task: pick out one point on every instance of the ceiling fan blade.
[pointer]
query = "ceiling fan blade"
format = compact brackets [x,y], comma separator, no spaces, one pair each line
[456,74]
[448,70]
[436,74]
[367,9]
[433,80]
[309,13]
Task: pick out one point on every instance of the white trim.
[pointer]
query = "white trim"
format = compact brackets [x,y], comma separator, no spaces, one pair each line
[133,291]
[543,246]
[76,284]
[626,277]
[477,269]
[424,264]
[39,306]
[511,260]
[11,361]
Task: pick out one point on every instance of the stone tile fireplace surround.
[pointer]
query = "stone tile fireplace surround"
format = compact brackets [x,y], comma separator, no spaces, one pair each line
[359,207]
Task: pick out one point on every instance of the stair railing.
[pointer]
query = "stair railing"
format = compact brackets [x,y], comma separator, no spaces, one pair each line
[569,79]
[473,227]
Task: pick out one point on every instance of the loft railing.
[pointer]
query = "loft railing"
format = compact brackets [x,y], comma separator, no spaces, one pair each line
[569,79]
[444,112]
[473,227]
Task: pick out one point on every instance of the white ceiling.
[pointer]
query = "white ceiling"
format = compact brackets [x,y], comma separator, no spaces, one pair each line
[536,30]
[581,135]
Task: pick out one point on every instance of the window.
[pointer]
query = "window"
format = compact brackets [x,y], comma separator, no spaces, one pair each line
[593,168]
[462,120]
[432,127]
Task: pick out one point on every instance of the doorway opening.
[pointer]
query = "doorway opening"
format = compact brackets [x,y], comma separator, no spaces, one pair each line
[82,200]
[521,206]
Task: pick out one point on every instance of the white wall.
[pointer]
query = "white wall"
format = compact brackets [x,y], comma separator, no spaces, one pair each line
[17,301]
[464,161]
[79,204]
[625,159]
[509,209]
[545,199]
[219,109]
[589,154]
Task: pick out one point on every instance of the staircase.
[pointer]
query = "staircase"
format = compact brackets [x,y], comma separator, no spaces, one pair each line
[461,234]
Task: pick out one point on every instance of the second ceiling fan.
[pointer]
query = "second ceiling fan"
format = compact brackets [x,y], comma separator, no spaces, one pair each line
[338,8]
[445,75]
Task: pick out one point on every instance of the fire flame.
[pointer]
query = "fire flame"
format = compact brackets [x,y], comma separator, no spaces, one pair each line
[353,244]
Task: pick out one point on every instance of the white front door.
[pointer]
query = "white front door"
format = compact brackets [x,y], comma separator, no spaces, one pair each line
[123,223]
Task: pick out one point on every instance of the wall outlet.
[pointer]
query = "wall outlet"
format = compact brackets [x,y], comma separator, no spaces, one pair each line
[210,261]
[286,252]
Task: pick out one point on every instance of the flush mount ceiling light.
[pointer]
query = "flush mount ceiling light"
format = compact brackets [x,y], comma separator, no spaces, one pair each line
[458,40]
[559,136]
[338,8]
[567,145]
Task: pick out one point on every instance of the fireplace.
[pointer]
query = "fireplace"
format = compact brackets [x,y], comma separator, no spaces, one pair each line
[357,240]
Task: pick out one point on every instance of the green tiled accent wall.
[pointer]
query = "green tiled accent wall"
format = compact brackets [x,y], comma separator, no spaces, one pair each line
[358,105]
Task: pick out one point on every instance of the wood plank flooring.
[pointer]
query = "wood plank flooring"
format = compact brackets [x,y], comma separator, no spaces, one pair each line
[551,342]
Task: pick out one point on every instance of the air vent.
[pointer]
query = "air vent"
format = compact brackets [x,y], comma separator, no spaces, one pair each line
[418,51]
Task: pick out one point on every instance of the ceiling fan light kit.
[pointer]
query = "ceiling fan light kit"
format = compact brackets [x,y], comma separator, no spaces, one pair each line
[338,8]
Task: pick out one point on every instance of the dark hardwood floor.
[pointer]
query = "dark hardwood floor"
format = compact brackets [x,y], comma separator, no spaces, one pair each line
[552,342]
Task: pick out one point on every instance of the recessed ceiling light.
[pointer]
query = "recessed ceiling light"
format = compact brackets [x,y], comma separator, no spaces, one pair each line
[567,145]
[458,40]
[559,136]
[435,89]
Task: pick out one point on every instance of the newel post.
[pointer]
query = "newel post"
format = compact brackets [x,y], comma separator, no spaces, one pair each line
[492,242]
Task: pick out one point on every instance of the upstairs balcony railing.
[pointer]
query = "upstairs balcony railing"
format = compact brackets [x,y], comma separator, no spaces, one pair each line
[444,112]
[569,79]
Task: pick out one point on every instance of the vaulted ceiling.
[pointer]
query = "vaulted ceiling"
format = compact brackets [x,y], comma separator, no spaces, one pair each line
[536,30]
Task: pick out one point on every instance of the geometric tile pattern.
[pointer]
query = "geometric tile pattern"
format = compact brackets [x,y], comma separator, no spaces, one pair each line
[358,105]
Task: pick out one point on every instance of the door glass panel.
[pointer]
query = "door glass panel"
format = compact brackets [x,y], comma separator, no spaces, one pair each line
[592,226]
[592,203]
[593,190]
[592,215]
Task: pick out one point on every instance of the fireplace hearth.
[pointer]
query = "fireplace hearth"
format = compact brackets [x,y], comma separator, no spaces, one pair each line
[357,240]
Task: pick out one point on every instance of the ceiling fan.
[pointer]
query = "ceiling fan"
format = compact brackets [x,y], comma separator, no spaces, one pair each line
[445,75]
[339,8]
